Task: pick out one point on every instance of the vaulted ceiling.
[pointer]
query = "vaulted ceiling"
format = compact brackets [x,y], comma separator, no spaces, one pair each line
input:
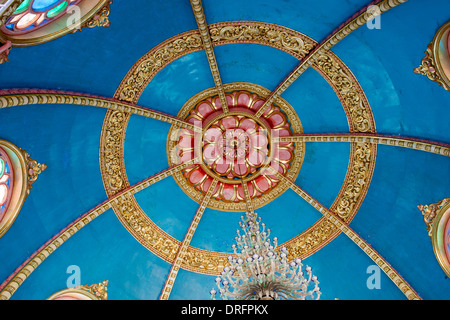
[373,189]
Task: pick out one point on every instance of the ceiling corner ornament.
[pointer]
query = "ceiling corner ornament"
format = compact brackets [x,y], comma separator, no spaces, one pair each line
[4,52]
[17,173]
[437,220]
[27,27]
[436,63]
[97,291]
[334,71]
[34,170]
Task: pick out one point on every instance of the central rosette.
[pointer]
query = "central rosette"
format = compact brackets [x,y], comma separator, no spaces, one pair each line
[235,147]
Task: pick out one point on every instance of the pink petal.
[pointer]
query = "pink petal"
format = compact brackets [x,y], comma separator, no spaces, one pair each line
[255,157]
[228,192]
[258,141]
[222,168]
[197,176]
[210,153]
[258,104]
[230,123]
[213,135]
[276,120]
[248,124]
[243,100]
[262,183]
[205,109]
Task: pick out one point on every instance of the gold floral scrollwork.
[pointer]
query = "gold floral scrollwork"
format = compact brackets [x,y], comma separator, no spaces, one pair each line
[9,11]
[112,137]
[154,61]
[143,229]
[101,18]
[247,32]
[429,213]
[357,181]
[34,170]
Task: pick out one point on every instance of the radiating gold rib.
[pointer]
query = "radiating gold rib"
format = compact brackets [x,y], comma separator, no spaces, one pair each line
[182,251]
[199,14]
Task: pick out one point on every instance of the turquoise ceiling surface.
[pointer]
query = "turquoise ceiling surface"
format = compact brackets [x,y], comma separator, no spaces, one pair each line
[94,61]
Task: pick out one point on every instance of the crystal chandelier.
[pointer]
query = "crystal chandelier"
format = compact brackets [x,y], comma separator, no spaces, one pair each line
[259,272]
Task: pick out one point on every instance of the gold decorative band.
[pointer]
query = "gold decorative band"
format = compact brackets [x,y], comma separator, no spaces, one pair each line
[405,142]
[20,97]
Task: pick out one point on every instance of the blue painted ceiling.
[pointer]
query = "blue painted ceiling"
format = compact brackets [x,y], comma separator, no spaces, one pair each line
[94,61]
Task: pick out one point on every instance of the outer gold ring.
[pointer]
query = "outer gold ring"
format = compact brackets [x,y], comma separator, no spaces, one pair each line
[337,74]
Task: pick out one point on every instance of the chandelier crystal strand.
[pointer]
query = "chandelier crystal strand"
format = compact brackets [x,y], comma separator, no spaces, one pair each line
[259,272]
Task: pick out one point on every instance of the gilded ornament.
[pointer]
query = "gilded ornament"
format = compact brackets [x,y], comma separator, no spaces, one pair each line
[330,67]
[436,63]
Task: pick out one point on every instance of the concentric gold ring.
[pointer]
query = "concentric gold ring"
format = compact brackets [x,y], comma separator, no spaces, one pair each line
[334,71]
[265,198]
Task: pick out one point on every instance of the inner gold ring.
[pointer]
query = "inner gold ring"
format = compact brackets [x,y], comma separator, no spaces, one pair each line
[244,113]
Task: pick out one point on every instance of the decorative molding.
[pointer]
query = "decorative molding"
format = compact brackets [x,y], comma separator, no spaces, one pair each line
[97,291]
[34,169]
[21,97]
[256,95]
[24,172]
[404,142]
[431,65]
[5,49]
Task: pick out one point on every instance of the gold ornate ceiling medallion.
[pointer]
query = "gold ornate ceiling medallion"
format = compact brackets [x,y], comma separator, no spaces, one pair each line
[334,71]
[254,142]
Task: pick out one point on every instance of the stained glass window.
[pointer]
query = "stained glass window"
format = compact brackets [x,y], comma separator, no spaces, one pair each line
[5,182]
[34,14]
